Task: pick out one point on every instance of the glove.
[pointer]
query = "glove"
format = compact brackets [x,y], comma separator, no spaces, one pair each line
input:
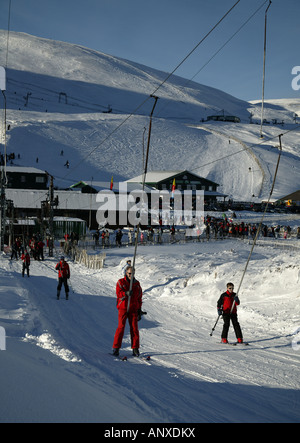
[128,293]
[139,314]
[237,300]
[220,311]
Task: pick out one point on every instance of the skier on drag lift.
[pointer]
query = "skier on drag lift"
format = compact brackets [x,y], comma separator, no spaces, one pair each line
[134,314]
[225,303]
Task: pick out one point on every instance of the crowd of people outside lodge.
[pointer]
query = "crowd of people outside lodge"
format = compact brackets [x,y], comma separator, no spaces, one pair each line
[33,245]
[212,229]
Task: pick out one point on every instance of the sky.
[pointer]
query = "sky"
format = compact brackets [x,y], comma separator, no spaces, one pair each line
[161,33]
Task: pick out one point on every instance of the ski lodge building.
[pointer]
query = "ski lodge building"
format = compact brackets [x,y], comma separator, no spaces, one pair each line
[28,194]
[184,181]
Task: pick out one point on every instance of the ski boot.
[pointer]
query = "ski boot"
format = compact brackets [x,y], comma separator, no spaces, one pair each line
[135,352]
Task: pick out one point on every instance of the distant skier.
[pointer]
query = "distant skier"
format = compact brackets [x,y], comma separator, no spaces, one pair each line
[119,236]
[225,304]
[63,276]
[26,262]
[134,314]
[40,250]
[128,263]
[14,251]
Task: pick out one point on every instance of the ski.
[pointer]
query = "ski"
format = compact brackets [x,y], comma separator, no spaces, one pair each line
[141,358]
[145,357]
[119,357]
[233,343]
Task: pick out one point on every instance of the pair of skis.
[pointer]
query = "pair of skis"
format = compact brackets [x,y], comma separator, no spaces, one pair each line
[125,358]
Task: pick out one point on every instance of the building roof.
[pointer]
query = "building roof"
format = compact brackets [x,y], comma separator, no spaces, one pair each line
[122,187]
[154,176]
[159,176]
[24,170]
[295,196]
[68,200]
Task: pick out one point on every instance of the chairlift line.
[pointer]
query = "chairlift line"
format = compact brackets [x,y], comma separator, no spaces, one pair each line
[264,70]
[144,180]
[261,222]
[158,87]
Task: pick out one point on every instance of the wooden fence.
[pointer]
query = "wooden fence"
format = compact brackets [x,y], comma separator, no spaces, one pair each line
[91,261]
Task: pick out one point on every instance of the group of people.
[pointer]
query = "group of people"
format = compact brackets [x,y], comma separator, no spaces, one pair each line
[104,238]
[220,228]
[129,304]
[35,247]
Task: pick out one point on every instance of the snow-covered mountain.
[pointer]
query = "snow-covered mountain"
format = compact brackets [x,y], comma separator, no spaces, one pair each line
[59,95]
[56,366]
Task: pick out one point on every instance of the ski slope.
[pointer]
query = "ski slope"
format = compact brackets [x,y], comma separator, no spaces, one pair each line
[57,368]
[61,104]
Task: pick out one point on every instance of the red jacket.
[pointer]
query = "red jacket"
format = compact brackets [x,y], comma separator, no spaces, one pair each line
[63,269]
[26,258]
[123,286]
[226,301]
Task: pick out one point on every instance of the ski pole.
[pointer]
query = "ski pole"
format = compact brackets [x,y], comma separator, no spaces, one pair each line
[212,331]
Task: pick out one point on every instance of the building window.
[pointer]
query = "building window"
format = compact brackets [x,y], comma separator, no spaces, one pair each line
[40,179]
[23,179]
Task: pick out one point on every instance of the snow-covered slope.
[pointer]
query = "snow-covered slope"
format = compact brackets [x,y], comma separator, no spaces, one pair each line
[56,366]
[58,95]
[57,369]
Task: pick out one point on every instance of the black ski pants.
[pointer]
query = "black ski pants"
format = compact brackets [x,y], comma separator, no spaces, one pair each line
[235,323]
[25,268]
[61,281]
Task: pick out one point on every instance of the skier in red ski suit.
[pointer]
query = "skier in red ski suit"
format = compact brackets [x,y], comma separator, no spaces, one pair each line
[63,276]
[134,314]
[26,263]
[225,303]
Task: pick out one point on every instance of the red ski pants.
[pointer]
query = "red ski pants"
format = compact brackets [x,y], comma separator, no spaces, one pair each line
[134,330]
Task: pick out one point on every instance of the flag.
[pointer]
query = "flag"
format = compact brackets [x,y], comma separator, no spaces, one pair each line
[112,182]
[173,186]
